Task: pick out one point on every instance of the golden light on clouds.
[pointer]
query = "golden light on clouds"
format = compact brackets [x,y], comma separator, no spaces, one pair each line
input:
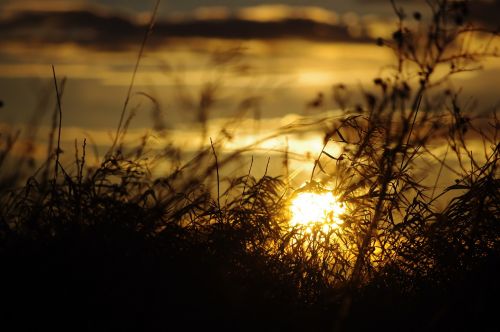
[265,13]
[212,13]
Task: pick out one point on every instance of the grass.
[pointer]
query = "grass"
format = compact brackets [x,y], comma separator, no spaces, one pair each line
[115,248]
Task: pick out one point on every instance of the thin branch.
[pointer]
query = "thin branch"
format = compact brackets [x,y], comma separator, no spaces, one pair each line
[134,73]
[217,171]
[58,96]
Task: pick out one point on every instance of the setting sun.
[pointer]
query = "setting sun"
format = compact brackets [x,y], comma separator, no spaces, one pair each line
[309,208]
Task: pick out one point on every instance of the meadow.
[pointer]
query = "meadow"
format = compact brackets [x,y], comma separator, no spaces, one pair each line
[365,243]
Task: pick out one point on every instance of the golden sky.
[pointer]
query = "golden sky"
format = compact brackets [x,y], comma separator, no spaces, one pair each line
[261,61]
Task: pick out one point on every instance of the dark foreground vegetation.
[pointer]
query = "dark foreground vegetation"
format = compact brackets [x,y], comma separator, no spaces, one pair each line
[112,248]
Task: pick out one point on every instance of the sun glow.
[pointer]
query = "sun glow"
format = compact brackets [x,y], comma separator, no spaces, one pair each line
[309,209]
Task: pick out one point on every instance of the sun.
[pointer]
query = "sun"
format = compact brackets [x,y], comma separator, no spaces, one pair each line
[311,208]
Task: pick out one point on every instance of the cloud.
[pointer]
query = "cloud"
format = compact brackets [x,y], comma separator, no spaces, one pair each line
[266,13]
[212,13]
[15,6]
[486,12]
[101,30]
[81,27]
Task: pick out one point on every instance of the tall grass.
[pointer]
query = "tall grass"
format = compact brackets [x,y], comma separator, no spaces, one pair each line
[117,248]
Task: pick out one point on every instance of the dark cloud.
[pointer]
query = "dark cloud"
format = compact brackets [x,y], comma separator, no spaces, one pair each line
[386,2]
[241,29]
[81,27]
[487,13]
[103,31]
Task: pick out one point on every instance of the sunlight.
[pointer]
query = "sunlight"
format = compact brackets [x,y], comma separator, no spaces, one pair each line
[310,208]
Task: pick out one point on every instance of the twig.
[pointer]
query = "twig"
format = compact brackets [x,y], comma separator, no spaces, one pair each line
[246,181]
[316,161]
[416,108]
[82,164]
[439,173]
[217,171]
[260,183]
[58,151]
[134,73]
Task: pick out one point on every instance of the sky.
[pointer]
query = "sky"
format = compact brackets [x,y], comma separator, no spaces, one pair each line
[265,62]
[133,6]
